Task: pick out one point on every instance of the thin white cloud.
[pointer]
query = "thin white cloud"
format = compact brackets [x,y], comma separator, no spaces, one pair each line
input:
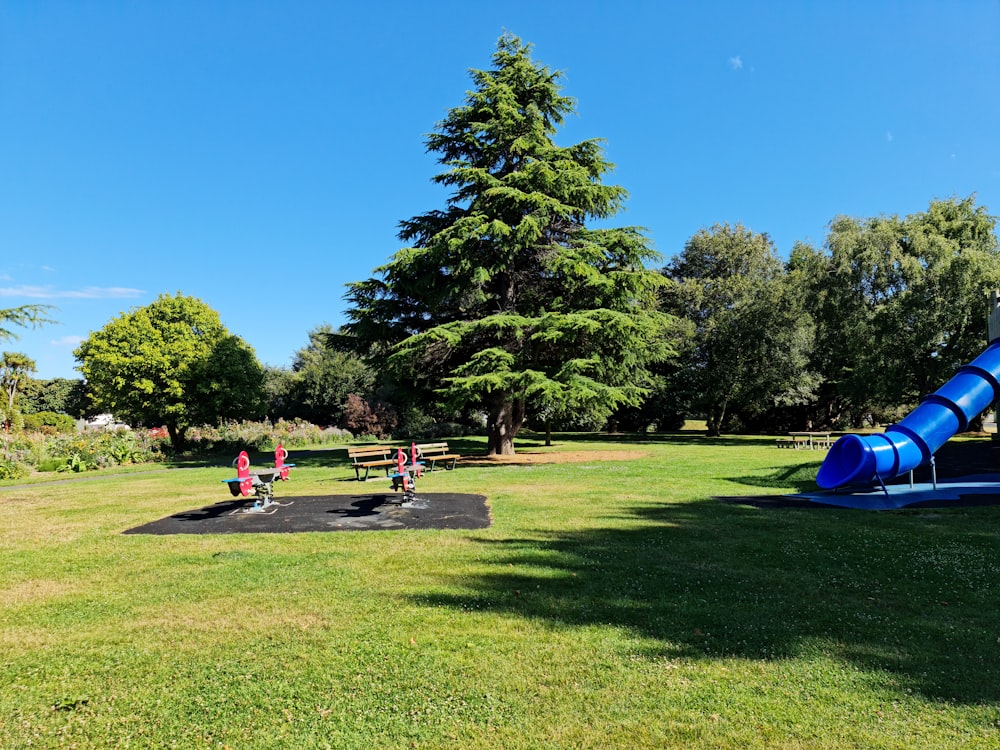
[73,341]
[888,136]
[88,292]
[736,63]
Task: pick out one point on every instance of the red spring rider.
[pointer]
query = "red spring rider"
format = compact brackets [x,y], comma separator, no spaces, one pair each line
[243,473]
[402,476]
[280,454]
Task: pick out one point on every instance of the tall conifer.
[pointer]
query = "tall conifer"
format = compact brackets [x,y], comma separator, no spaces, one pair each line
[505,300]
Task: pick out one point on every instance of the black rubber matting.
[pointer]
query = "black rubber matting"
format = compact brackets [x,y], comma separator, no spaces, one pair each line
[374,512]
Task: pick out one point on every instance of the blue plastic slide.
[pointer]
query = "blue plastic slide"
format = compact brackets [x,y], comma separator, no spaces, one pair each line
[870,459]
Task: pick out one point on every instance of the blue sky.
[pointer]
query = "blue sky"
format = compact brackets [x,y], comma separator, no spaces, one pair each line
[259,155]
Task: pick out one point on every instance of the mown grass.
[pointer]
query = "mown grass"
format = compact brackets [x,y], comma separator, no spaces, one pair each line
[610,604]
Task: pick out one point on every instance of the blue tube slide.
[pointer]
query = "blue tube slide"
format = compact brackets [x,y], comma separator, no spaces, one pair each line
[867,459]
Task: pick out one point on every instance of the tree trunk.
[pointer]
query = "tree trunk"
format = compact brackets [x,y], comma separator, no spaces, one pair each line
[506,417]
[176,437]
[716,415]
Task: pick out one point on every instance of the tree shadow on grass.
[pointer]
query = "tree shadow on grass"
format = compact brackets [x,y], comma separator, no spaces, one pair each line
[643,438]
[323,458]
[476,446]
[910,593]
[791,479]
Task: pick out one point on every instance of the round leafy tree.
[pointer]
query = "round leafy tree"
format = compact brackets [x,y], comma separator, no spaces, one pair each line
[171,363]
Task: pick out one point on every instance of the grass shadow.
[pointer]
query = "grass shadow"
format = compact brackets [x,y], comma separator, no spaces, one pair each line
[911,594]
[476,446]
[651,438]
[795,478]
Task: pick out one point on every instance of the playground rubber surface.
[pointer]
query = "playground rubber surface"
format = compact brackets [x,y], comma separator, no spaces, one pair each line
[382,511]
[954,492]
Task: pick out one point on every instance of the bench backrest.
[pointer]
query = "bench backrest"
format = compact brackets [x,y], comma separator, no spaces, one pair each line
[369,451]
[433,448]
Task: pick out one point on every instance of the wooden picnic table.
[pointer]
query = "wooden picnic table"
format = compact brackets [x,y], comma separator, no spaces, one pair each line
[822,439]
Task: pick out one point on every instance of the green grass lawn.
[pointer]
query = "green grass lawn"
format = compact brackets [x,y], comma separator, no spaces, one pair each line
[610,604]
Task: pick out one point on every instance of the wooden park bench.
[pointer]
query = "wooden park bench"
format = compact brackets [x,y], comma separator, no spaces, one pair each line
[370,457]
[431,453]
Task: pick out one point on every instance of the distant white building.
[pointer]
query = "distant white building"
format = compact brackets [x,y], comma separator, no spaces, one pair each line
[101,422]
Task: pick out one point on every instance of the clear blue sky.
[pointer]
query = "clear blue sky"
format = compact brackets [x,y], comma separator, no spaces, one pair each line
[259,155]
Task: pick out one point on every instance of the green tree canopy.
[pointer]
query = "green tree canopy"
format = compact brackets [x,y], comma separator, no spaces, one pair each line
[324,376]
[506,299]
[750,336]
[905,301]
[171,363]
[59,395]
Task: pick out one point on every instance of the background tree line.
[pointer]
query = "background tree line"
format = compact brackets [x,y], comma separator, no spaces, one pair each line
[857,331]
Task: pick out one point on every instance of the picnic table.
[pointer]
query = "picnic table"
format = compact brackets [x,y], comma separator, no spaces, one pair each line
[809,440]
